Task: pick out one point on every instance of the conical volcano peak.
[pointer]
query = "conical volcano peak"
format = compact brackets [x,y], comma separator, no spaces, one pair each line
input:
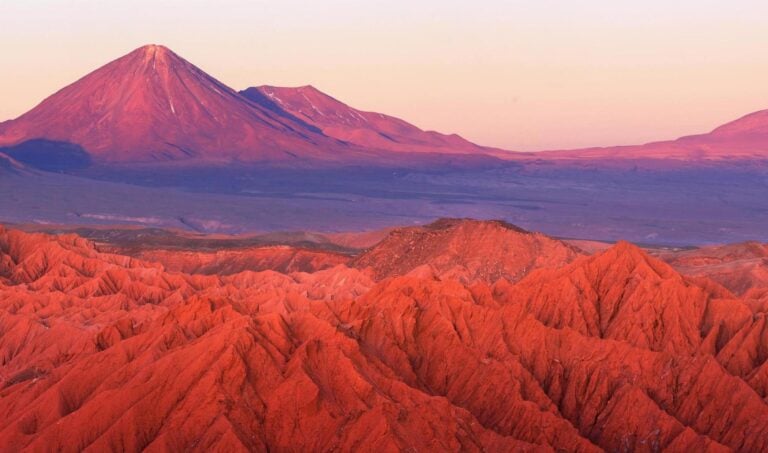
[149,51]
[152,54]
[153,49]
[151,104]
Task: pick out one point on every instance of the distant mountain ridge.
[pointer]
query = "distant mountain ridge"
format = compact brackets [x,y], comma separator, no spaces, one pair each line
[743,139]
[752,125]
[152,105]
[367,129]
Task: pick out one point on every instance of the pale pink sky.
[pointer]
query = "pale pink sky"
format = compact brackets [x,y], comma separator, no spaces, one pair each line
[515,74]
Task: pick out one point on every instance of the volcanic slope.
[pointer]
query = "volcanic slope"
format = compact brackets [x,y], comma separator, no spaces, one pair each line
[614,351]
[152,105]
[367,129]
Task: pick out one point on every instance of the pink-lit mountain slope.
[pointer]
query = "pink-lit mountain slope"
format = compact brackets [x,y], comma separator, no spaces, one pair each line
[151,105]
[743,139]
[366,129]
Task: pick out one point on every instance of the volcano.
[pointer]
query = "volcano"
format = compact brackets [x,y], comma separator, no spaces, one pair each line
[367,129]
[152,105]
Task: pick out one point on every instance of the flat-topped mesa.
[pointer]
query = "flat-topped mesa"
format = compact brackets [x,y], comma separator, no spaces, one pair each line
[451,222]
[466,250]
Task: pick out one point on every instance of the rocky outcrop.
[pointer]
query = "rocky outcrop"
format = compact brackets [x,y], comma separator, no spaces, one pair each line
[283,259]
[614,352]
[465,250]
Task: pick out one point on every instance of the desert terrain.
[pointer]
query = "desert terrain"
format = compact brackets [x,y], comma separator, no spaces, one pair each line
[459,335]
[186,266]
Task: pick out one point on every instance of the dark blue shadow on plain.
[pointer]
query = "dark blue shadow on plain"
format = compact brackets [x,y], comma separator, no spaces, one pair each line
[49,155]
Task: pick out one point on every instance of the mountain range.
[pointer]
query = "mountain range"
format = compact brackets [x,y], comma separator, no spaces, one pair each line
[367,129]
[188,267]
[150,139]
[744,139]
[152,106]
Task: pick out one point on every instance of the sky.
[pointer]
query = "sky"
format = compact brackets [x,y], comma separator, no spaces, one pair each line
[520,75]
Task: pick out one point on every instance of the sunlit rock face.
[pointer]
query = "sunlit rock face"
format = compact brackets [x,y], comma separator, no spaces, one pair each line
[613,351]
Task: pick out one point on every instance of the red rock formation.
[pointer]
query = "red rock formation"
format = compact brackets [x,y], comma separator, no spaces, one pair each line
[612,352]
[282,259]
[738,267]
[465,250]
[620,294]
